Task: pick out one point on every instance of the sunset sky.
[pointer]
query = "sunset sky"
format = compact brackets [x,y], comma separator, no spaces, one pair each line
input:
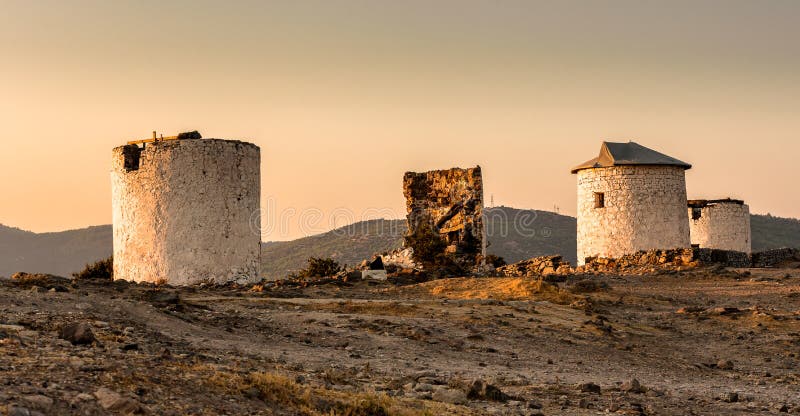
[343,97]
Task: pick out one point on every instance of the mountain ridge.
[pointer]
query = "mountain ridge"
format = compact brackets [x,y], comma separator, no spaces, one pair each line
[514,234]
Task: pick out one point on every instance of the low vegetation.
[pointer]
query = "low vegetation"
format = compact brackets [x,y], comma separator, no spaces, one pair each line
[320,267]
[280,392]
[102,269]
[429,250]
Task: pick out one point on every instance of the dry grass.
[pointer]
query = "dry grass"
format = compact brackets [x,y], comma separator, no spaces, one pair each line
[280,392]
[505,288]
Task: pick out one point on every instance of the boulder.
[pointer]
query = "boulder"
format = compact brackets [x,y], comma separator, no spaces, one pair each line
[452,396]
[482,390]
[77,333]
[114,402]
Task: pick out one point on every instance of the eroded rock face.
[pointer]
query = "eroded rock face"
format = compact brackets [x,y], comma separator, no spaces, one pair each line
[450,202]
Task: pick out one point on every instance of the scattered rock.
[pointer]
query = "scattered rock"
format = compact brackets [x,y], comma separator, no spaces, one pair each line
[589,388]
[632,386]
[252,393]
[725,365]
[114,402]
[58,288]
[533,404]
[84,397]
[37,401]
[690,309]
[22,411]
[423,387]
[481,390]
[535,267]
[724,311]
[451,396]
[732,397]
[77,333]
[164,298]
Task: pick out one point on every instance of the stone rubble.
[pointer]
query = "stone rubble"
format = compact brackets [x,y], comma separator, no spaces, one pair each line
[537,266]
[646,262]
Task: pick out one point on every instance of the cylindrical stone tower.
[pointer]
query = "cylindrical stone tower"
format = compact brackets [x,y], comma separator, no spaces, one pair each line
[721,224]
[630,198]
[186,211]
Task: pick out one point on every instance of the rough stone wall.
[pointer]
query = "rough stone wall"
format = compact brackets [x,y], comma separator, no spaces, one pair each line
[537,266]
[451,202]
[184,211]
[773,258]
[645,208]
[650,261]
[721,225]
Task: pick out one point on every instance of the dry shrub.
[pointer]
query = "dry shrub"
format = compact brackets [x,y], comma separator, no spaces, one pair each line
[320,267]
[277,389]
[101,270]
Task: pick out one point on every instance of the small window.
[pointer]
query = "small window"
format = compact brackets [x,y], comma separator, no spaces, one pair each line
[599,200]
[131,155]
[697,213]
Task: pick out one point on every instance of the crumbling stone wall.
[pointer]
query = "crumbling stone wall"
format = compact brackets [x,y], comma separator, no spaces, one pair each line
[773,258]
[644,208]
[720,224]
[451,203]
[728,258]
[185,211]
[537,266]
[651,260]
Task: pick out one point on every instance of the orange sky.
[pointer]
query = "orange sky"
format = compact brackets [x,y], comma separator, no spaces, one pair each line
[345,96]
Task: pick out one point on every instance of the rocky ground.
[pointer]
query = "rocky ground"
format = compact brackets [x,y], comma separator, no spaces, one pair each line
[706,342]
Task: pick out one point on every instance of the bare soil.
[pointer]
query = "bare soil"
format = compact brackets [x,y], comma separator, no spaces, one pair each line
[700,342]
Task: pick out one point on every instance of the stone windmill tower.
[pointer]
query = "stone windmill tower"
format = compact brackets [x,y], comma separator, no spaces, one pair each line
[185,210]
[630,198]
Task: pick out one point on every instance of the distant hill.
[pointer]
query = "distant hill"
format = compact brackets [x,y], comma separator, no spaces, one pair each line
[347,245]
[513,234]
[519,234]
[59,253]
[774,232]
